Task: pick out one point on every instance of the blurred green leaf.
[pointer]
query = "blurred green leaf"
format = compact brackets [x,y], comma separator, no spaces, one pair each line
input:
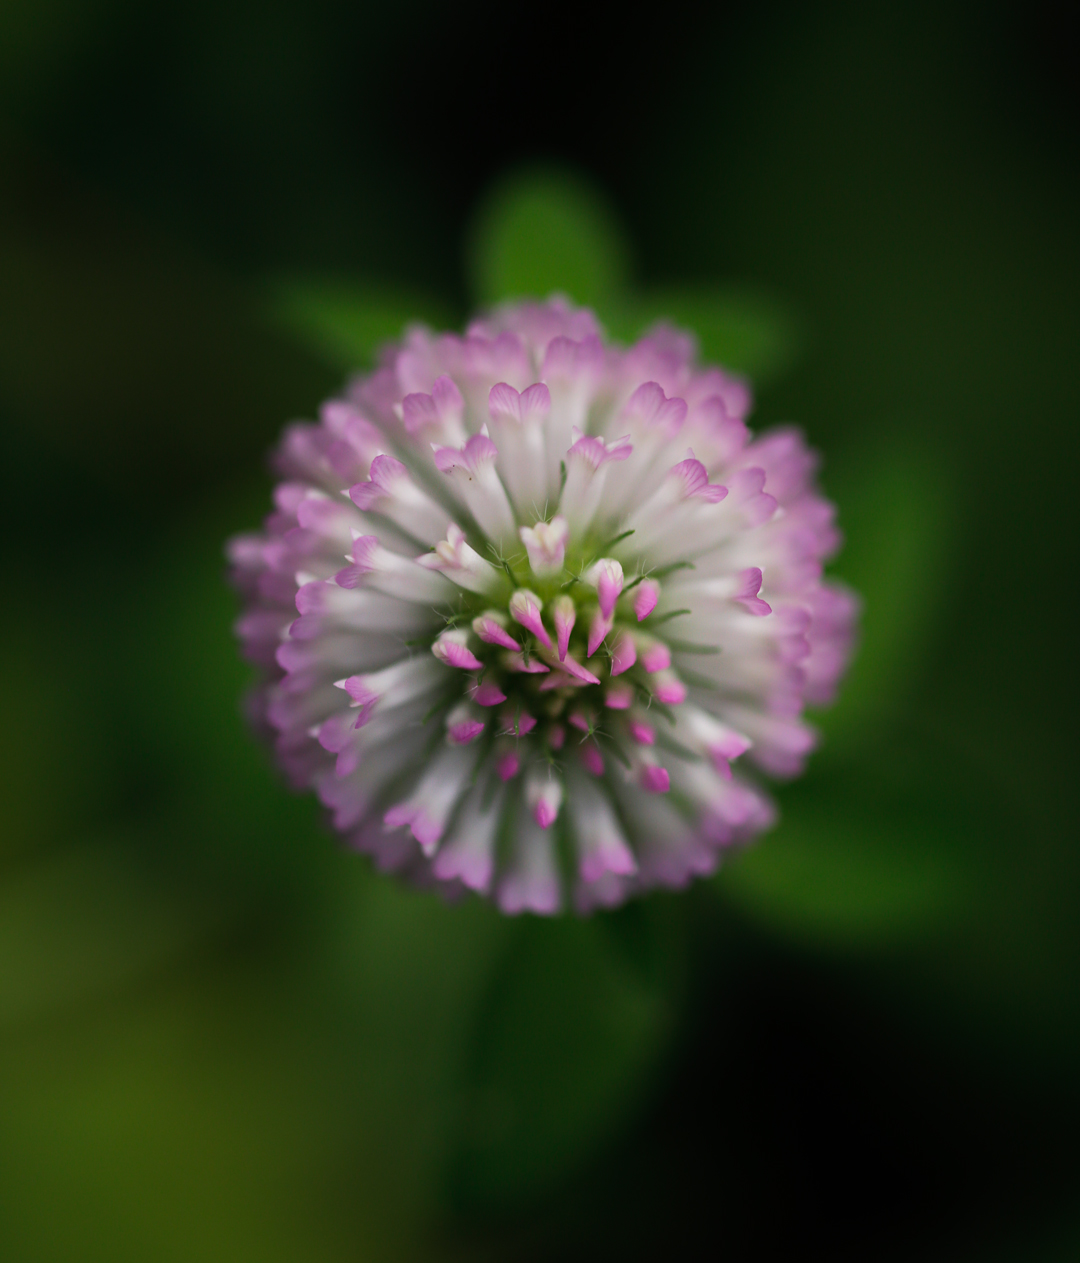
[544,231]
[540,231]
[744,329]
[843,867]
[344,322]
[844,871]
[897,510]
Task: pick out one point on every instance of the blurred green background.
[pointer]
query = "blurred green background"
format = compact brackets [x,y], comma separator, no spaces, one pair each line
[221,1037]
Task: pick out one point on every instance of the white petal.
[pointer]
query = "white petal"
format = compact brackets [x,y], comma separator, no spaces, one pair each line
[468,854]
[531,884]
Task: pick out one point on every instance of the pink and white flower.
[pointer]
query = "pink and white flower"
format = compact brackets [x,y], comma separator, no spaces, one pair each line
[568,602]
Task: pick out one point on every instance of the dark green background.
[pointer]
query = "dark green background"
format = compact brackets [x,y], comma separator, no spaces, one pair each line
[223,1038]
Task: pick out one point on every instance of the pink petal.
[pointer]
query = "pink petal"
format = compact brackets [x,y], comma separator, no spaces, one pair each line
[508,766]
[747,592]
[619,697]
[517,725]
[608,588]
[623,655]
[525,609]
[565,617]
[488,694]
[579,672]
[504,401]
[494,633]
[447,397]
[647,596]
[644,734]
[561,679]
[650,406]
[656,658]
[456,655]
[655,779]
[590,756]
[518,663]
[535,402]
[671,692]
[544,813]
[579,720]
[598,629]
[417,411]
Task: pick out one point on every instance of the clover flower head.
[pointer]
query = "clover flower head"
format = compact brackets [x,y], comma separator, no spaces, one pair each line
[530,601]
